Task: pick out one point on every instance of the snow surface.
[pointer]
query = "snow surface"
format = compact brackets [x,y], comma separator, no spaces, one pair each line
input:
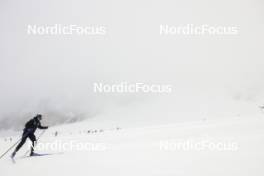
[138,151]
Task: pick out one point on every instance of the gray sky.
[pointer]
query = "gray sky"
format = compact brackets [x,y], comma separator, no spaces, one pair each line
[56,73]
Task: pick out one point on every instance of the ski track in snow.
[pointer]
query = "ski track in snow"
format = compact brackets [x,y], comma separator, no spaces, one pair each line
[137,151]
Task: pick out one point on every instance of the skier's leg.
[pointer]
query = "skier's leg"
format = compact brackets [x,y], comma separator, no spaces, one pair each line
[23,140]
[32,137]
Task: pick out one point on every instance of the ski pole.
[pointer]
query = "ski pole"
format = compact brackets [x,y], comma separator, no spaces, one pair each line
[13,146]
[41,134]
[10,148]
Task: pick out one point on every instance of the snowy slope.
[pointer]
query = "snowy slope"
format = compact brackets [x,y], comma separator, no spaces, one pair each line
[142,151]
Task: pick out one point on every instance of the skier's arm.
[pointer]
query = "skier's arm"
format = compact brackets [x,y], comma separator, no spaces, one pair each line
[42,127]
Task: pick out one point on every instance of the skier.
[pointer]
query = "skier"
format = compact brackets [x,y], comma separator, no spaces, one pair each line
[28,132]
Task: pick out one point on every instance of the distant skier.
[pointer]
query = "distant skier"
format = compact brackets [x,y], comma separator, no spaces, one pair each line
[28,132]
[56,134]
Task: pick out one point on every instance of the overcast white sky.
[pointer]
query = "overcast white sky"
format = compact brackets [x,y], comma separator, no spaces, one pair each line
[59,70]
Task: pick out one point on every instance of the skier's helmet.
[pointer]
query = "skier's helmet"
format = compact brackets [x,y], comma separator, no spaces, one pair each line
[38,116]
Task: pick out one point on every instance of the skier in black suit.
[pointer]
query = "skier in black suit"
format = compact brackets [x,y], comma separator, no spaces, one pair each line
[28,132]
